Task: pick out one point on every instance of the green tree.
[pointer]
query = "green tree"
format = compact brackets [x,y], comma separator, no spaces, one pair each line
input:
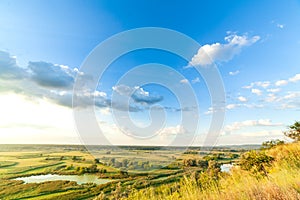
[294,131]
[213,169]
[189,162]
[255,162]
[233,155]
[202,163]
[271,143]
[93,169]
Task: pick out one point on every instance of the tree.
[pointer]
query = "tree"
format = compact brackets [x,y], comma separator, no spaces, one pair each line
[255,162]
[203,164]
[294,131]
[233,155]
[93,169]
[271,143]
[213,169]
[125,162]
[189,162]
[112,161]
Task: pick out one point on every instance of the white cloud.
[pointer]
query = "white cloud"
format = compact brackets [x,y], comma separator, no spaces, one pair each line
[184,81]
[249,123]
[123,90]
[263,84]
[242,99]
[234,73]
[210,53]
[248,86]
[253,105]
[138,94]
[281,26]
[289,100]
[99,94]
[274,90]
[266,84]
[196,80]
[281,82]
[173,130]
[296,78]
[232,106]
[272,98]
[212,110]
[256,91]
[291,95]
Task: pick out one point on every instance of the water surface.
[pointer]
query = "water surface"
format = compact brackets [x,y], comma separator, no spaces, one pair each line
[226,167]
[80,179]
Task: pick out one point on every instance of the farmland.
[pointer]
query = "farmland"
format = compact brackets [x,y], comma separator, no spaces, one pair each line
[127,167]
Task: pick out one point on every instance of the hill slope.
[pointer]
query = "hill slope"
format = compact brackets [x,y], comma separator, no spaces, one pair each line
[282,182]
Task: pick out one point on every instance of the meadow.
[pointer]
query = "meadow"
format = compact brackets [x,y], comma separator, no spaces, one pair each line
[129,168]
[267,172]
[274,175]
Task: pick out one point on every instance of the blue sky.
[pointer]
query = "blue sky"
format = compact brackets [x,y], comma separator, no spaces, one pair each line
[255,45]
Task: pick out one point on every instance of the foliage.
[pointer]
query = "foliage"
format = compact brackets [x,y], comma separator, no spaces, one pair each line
[214,168]
[256,162]
[190,162]
[294,131]
[282,184]
[91,169]
[272,143]
[200,179]
[195,163]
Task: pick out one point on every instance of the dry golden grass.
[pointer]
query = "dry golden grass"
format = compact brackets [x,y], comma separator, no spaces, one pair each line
[282,183]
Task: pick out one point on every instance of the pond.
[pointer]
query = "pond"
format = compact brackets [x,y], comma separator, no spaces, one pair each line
[226,167]
[80,179]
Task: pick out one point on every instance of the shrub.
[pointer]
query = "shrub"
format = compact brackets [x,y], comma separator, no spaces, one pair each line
[256,162]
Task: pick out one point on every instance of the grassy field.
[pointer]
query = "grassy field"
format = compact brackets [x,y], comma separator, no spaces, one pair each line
[129,168]
[152,172]
[282,181]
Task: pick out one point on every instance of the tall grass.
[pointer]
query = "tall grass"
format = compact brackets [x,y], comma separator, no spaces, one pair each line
[282,182]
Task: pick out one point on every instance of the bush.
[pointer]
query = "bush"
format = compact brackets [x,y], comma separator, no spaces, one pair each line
[256,162]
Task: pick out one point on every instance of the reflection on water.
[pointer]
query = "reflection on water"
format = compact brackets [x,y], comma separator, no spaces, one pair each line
[226,167]
[80,179]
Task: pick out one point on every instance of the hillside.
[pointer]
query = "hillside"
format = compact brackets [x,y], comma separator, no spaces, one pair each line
[281,182]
